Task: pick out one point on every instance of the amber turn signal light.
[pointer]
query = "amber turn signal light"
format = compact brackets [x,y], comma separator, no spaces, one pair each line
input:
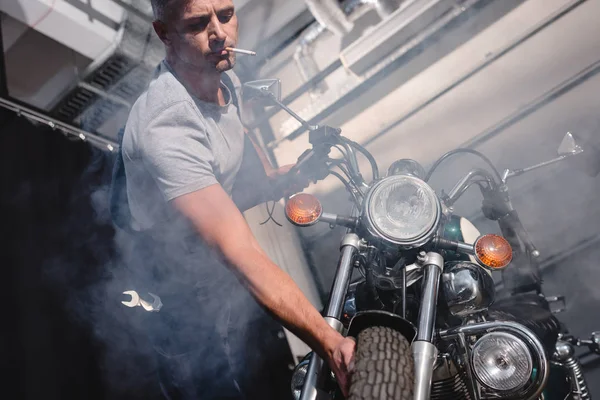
[303,209]
[493,251]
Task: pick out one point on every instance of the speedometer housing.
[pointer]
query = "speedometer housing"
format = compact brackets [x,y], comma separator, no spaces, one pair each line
[402,210]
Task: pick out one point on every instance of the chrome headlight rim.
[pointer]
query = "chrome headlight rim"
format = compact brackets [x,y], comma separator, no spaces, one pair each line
[526,350]
[298,377]
[536,349]
[419,240]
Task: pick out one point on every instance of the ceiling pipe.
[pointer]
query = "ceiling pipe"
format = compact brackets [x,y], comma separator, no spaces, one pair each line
[86,29]
[303,56]
[329,14]
[131,9]
[332,18]
[385,7]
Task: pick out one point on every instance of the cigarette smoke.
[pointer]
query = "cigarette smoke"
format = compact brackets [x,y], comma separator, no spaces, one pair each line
[557,205]
[124,334]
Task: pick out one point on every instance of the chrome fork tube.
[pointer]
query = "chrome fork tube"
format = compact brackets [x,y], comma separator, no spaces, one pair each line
[424,351]
[335,305]
[317,369]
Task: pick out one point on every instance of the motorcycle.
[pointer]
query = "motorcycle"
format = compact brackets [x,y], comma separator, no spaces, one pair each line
[428,320]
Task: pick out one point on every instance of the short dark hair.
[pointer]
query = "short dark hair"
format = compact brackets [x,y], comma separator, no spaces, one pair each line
[163,9]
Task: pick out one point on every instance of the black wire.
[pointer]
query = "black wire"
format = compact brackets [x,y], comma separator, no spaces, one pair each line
[345,182]
[352,162]
[479,183]
[371,286]
[343,149]
[404,292]
[368,155]
[341,164]
[362,264]
[456,151]
[340,148]
[270,212]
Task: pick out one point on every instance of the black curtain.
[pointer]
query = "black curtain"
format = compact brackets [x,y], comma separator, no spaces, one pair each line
[58,250]
[45,227]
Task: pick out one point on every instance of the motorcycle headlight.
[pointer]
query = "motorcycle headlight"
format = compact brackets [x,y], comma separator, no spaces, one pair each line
[403,209]
[298,377]
[501,362]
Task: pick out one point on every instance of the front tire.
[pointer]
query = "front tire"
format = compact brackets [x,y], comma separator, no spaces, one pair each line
[384,366]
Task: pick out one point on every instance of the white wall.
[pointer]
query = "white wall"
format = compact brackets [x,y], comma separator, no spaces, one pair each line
[38,68]
[551,56]
[89,28]
[282,245]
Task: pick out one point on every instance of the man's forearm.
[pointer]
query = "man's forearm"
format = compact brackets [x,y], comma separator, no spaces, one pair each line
[223,228]
[275,289]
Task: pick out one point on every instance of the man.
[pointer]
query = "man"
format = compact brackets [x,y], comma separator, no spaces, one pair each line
[182,150]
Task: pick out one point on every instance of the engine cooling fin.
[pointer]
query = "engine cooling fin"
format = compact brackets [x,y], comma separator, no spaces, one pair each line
[453,388]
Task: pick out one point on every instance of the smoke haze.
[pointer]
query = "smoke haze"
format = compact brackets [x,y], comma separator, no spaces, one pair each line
[90,264]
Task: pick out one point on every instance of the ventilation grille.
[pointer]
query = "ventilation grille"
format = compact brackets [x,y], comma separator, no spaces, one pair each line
[121,78]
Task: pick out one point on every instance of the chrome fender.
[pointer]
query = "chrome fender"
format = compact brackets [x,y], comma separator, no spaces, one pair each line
[366,319]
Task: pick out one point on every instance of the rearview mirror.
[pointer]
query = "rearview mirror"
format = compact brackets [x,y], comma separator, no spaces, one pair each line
[582,157]
[569,146]
[261,89]
[587,155]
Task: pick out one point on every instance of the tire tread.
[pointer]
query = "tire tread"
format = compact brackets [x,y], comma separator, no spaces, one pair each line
[384,367]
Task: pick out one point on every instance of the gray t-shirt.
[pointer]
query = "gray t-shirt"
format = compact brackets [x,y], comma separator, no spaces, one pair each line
[175,143]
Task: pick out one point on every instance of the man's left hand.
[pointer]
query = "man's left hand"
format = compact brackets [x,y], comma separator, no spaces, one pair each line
[284,184]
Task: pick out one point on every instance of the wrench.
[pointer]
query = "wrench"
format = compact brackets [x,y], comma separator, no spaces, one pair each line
[136,301]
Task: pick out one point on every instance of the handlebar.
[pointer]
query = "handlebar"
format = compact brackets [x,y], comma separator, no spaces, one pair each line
[496,206]
[315,164]
[461,187]
[300,171]
[593,343]
[513,221]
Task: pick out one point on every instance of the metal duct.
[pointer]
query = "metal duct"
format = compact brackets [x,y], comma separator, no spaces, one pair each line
[393,32]
[385,7]
[356,8]
[108,87]
[329,14]
[331,18]
[303,56]
[70,22]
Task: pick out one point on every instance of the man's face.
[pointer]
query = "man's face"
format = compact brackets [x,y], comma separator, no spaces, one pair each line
[200,33]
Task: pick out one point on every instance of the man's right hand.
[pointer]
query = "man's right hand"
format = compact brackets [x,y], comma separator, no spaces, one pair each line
[223,227]
[342,363]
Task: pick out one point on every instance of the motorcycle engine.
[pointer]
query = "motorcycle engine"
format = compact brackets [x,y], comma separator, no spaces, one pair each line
[449,380]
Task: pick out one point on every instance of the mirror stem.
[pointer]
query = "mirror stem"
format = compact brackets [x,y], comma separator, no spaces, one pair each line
[511,173]
[292,113]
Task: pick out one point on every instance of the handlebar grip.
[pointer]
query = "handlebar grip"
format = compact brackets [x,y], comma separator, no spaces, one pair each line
[521,232]
[299,171]
[280,183]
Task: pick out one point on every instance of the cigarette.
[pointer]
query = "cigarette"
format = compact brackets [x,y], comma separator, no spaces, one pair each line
[235,50]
